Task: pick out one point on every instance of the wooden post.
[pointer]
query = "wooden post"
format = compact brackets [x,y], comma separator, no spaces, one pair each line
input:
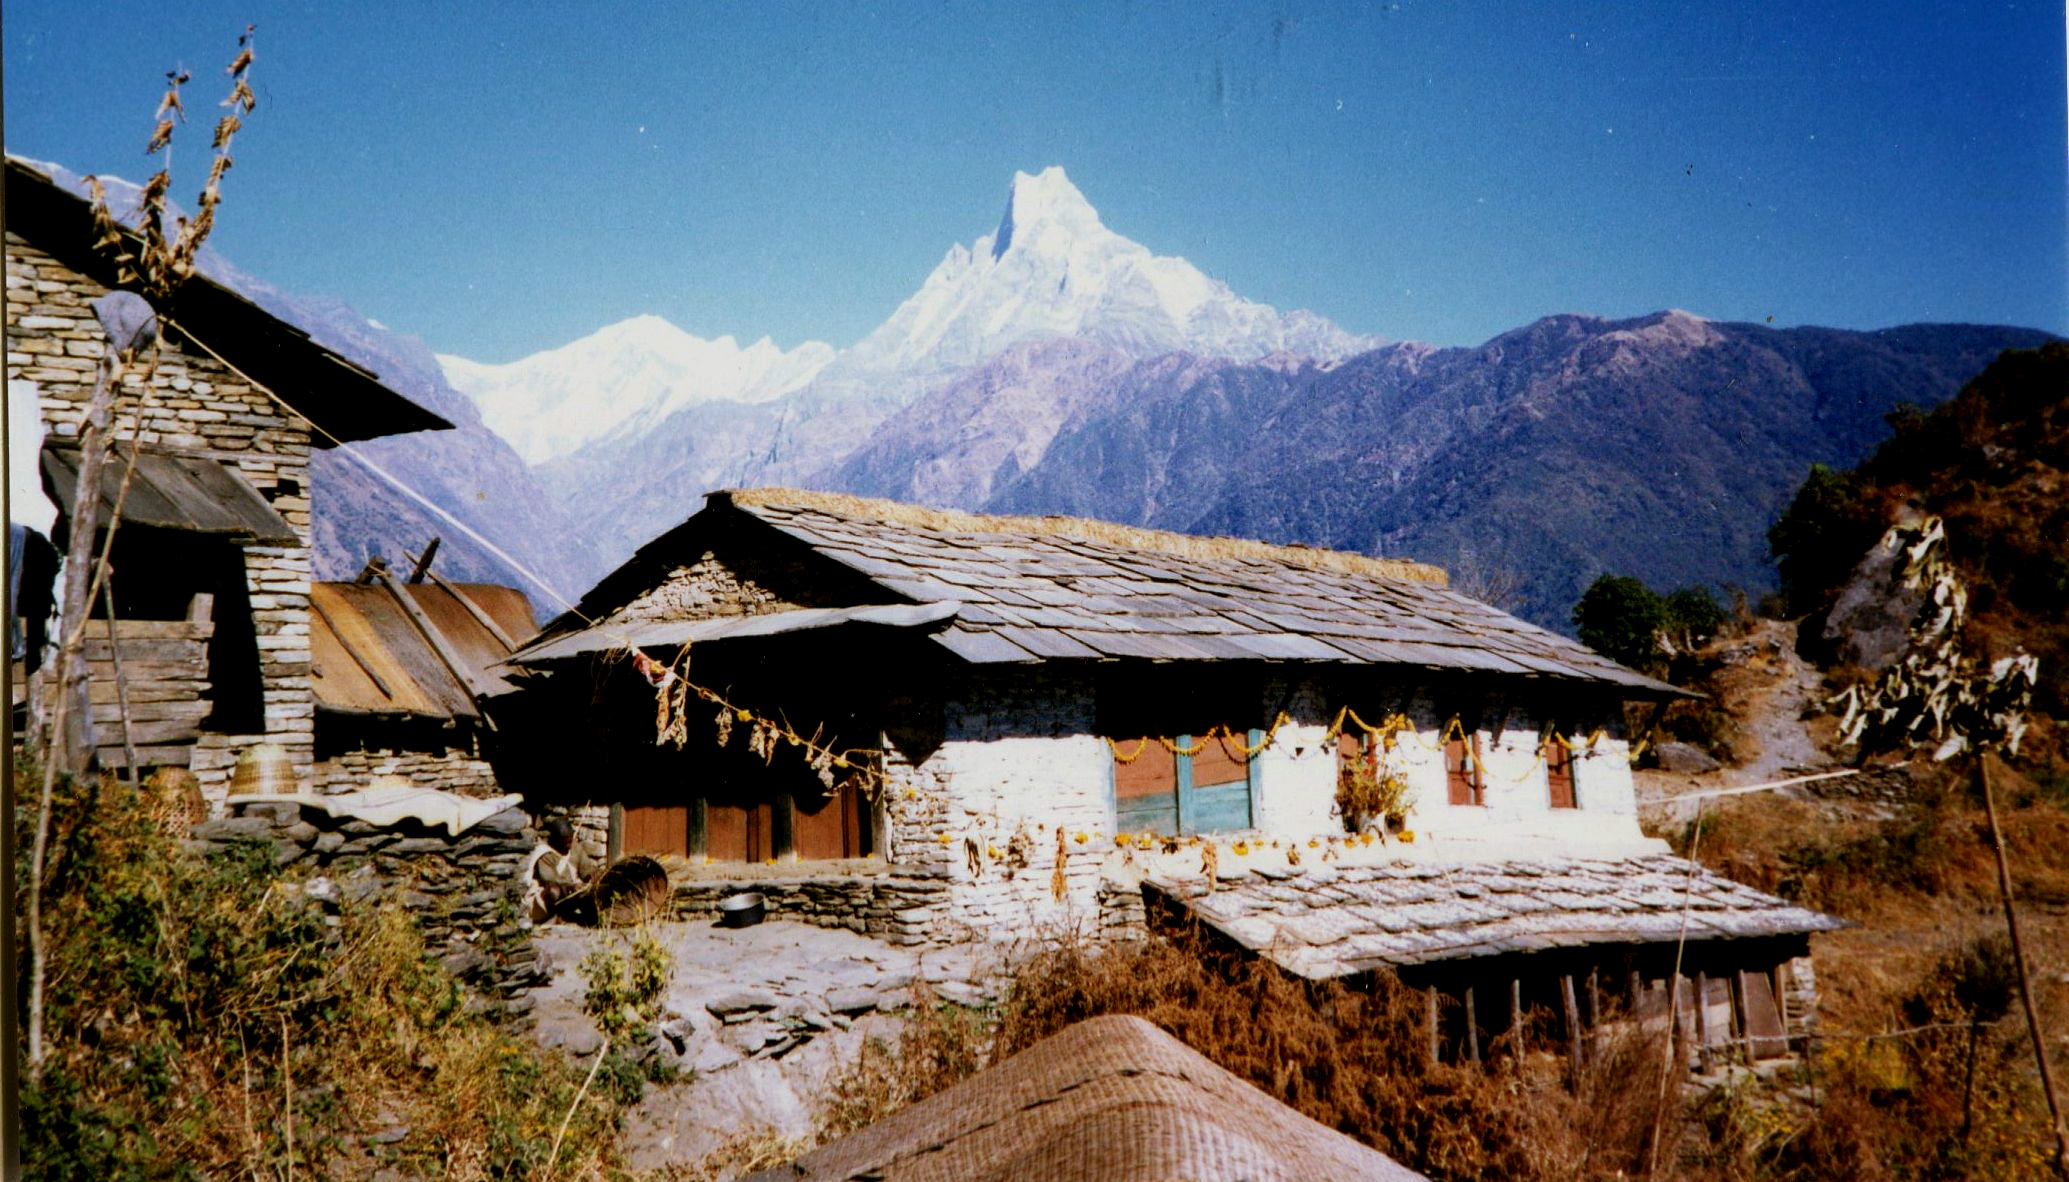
[1574,1047]
[700,822]
[1637,993]
[1472,1028]
[1430,1020]
[2011,921]
[1779,976]
[1516,1014]
[1594,1022]
[1742,1015]
[614,834]
[1702,1022]
[783,827]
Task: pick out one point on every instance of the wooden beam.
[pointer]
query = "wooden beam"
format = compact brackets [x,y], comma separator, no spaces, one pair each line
[451,659]
[1430,1021]
[357,659]
[423,561]
[474,609]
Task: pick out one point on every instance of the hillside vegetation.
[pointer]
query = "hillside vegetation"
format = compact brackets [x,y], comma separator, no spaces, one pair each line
[1993,462]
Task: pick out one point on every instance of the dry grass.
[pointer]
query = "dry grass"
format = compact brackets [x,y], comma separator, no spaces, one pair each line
[205,1021]
[1085,529]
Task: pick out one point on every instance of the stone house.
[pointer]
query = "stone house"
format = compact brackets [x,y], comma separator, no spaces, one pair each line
[212,562]
[937,726]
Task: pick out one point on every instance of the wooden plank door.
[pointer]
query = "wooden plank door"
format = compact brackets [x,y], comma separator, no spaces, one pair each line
[655,830]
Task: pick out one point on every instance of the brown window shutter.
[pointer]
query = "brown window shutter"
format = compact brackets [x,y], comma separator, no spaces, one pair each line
[1559,774]
[1463,775]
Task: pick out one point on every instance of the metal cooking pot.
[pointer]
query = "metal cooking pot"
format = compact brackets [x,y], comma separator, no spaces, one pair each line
[743,910]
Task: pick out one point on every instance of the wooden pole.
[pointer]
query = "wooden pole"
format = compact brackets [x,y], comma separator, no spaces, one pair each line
[1594,1011]
[2011,921]
[1575,1051]
[1430,1020]
[1516,1014]
[121,683]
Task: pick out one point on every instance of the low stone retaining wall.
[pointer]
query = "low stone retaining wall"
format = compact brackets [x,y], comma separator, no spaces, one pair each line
[452,770]
[896,910]
[462,890]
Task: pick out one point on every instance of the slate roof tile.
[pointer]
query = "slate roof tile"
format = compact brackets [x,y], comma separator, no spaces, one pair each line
[1327,922]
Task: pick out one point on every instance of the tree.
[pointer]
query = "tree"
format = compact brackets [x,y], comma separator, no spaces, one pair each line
[1819,538]
[1620,617]
[1693,616]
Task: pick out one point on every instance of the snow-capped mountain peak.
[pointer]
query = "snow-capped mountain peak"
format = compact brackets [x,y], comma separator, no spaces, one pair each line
[622,379]
[1046,198]
[1053,268]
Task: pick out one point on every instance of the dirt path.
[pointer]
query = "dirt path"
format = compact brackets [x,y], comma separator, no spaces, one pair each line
[1767,688]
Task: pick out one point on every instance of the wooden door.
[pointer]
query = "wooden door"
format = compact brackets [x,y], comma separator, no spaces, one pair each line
[655,830]
[739,830]
[830,825]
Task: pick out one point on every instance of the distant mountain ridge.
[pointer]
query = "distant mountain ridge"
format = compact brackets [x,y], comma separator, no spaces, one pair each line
[1049,271]
[1053,366]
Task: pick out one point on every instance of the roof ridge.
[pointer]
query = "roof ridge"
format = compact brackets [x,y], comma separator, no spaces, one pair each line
[1084,529]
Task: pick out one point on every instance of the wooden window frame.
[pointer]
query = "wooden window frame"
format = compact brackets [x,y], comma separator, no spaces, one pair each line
[1188,804]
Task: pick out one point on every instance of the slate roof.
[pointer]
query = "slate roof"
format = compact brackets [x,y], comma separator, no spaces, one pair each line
[347,401]
[1113,1098]
[1332,922]
[1051,588]
[170,491]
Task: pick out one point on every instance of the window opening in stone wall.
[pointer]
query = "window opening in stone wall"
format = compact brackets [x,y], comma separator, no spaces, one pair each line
[1187,791]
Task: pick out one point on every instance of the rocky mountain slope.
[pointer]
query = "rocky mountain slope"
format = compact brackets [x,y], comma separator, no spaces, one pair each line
[1661,446]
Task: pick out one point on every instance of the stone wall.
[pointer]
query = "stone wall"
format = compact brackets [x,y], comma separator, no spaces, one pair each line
[198,405]
[464,891]
[895,909]
[452,770]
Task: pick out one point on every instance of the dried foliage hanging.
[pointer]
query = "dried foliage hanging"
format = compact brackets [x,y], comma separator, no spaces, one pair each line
[1936,695]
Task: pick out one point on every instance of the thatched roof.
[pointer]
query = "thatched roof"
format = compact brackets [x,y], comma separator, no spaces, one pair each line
[1115,1099]
[1332,922]
[1035,589]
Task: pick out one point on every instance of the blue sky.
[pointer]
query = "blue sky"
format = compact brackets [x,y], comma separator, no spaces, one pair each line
[500,178]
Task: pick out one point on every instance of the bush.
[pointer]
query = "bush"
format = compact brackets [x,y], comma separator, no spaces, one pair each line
[1619,616]
[205,1018]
